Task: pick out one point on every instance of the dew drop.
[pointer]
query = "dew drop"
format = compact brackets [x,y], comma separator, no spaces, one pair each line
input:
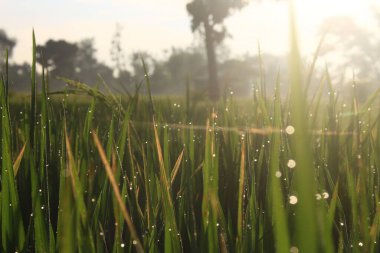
[294,249]
[134,242]
[278,174]
[318,196]
[293,200]
[290,130]
[325,195]
[122,245]
[291,163]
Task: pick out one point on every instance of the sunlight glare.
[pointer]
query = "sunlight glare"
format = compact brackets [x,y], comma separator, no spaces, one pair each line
[329,8]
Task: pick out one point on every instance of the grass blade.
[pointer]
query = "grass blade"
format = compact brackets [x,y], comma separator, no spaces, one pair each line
[127,217]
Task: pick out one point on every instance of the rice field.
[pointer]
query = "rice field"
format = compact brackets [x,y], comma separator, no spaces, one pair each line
[92,171]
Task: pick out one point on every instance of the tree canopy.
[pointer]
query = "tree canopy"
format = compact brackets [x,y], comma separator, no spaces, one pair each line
[6,42]
[208,16]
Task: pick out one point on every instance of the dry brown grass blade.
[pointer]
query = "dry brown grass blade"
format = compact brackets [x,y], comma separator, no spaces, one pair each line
[240,221]
[70,163]
[16,164]
[176,167]
[124,211]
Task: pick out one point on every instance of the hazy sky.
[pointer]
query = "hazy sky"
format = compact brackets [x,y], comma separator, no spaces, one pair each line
[155,25]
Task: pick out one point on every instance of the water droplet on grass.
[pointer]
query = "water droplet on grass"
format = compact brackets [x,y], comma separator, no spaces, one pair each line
[278,174]
[293,200]
[291,164]
[290,130]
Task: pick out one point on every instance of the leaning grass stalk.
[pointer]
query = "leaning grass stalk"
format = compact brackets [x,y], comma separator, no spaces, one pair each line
[17,162]
[85,240]
[240,220]
[124,211]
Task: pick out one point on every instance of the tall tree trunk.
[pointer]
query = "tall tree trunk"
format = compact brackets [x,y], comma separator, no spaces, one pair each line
[211,59]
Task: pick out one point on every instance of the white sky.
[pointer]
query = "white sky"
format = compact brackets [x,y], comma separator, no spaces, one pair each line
[155,25]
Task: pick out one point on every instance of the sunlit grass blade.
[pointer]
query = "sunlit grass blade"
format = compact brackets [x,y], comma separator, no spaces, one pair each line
[84,235]
[36,176]
[148,84]
[176,167]
[279,219]
[172,238]
[314,62]
[127,217]
[306,225]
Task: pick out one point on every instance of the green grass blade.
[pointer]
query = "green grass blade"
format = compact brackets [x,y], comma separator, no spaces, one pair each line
[306,227]
[12,227]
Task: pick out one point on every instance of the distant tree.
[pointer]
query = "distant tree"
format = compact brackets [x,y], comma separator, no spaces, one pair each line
[238,74]
[85,55]
[19,79]
[117,54]
[169,75]
[6,43]
[86,64]
[208,16]
[59,56]
[120,72]
[186,62]
[180,65]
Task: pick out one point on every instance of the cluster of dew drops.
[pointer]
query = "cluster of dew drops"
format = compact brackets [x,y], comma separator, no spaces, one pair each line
[290,130]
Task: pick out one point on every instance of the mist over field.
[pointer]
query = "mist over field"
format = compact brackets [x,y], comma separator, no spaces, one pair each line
[190,126]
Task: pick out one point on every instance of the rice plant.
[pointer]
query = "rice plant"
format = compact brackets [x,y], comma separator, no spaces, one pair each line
[289,173]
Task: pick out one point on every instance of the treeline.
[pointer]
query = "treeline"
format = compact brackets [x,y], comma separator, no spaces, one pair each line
[169,75]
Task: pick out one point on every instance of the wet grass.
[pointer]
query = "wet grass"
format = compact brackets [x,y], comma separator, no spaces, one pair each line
[284,173]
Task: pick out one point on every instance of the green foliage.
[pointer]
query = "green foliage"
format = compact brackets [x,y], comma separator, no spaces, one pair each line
[282,174]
